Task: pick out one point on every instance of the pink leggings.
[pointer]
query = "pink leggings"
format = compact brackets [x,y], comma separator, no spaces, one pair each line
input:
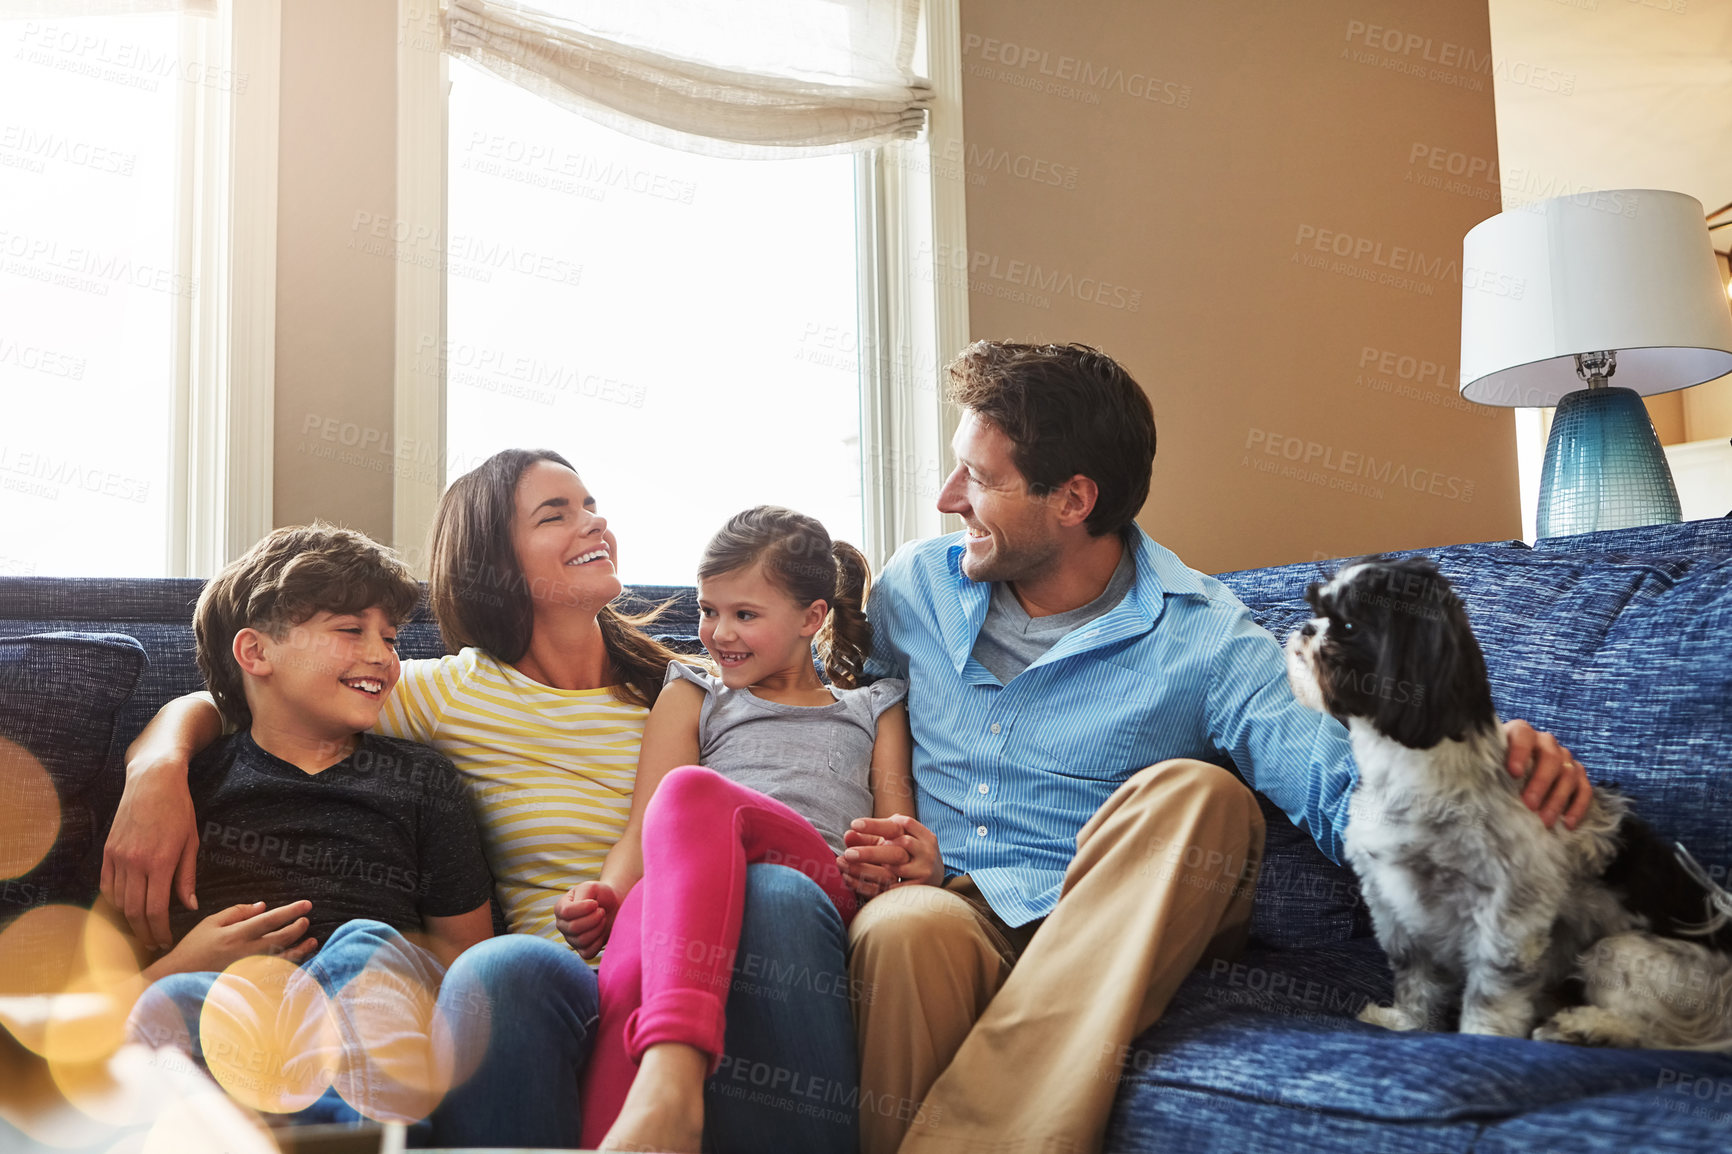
[670,956]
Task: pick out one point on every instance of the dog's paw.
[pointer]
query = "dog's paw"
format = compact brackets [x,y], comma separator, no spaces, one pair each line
[1389,1017]
[1576,1026]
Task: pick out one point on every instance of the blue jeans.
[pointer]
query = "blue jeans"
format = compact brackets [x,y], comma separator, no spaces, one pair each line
[789,1079]
[522,1011]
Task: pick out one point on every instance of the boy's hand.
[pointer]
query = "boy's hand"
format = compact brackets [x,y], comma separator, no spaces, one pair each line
[240,932]
[152,849]
[585,916]
[883,853]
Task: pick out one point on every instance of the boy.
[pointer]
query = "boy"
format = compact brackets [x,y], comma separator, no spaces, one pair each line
[320,842]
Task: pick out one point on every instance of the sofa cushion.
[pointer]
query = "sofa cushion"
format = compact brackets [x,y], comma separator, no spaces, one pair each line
[1682,1114]
[1265,1053]
[60,694]
[1651,708]
[1704,539]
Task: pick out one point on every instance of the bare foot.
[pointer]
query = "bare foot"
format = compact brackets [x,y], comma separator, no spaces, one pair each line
[664,1109]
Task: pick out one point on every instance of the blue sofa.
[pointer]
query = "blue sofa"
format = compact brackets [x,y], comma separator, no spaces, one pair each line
[1621,643]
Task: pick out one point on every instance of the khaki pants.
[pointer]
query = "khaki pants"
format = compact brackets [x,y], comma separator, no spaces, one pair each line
[977,1037]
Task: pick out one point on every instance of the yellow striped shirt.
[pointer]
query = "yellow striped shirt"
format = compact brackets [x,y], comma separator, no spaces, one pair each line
[550,770]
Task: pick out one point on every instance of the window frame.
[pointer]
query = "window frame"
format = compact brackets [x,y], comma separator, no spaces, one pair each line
[910,320]
[223,382]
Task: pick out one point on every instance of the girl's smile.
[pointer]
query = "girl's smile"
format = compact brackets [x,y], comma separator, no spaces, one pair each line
[756,632]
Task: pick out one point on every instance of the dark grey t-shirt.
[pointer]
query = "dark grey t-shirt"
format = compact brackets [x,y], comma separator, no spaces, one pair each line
[1010,640]
[814,759]
[387,833]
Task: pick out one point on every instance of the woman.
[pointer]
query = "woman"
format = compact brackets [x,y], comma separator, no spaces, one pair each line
[541,707]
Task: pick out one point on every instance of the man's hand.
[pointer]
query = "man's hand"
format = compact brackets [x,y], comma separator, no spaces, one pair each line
[240,932]
[585,916]
[882,853]
[152,850]
[1556,782]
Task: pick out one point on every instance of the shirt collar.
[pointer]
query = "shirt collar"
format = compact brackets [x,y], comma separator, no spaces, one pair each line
[1160,574]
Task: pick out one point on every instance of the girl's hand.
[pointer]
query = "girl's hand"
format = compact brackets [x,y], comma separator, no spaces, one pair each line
[585,916]
[886,852]
[240,932]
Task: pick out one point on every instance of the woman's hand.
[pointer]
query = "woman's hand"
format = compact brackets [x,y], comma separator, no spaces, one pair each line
[585,916]
[152,850]
[240,932]
[1556,782]
[883,853]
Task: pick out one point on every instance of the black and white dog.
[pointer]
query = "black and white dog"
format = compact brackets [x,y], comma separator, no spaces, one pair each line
[1600,935]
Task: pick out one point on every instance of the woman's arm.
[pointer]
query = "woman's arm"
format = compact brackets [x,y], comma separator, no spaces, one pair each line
[152,848]
[670,739]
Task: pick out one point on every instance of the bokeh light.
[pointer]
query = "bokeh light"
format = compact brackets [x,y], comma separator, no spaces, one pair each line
[267,1035]
[67,951]
[29,811]
[397,1062]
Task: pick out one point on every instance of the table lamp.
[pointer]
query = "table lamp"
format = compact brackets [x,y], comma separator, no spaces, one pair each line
[1559,298]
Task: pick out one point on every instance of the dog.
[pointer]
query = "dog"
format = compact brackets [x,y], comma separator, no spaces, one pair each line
[1597,935]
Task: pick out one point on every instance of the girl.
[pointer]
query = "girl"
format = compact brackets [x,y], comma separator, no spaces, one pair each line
[791,763]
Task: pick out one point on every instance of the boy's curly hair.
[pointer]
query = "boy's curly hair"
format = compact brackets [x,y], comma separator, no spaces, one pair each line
[289,576]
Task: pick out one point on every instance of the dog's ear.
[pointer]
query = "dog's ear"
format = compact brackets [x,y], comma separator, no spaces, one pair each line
[1431,674]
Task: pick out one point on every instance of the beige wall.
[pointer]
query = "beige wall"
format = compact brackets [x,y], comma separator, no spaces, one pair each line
[1156,179]
[1165,202]
[335,291]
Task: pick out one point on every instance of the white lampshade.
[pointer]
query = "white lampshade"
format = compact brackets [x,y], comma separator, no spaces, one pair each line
[1630,271]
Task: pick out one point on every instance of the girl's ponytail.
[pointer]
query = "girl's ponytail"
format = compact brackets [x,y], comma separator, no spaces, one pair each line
[846,639]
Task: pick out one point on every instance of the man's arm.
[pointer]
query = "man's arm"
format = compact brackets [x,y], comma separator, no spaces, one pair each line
[1302,761]
[152,848]
[887,658]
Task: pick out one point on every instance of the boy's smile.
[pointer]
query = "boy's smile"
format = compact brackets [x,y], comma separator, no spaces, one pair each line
[322,683]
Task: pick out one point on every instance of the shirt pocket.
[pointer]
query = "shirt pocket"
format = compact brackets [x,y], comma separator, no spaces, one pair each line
[849,756]
[1095,722]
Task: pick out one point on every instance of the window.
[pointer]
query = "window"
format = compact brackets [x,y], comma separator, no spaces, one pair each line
[93,291]
[682,328]
[137,257]
[781,322]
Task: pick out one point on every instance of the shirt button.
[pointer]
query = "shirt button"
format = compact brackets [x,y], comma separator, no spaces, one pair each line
[981,830]
[983,788]
[995,727]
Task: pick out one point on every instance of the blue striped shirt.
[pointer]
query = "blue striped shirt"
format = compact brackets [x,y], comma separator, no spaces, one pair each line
[1006,775]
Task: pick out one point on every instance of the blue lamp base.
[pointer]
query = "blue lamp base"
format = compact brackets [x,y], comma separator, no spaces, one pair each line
[1604,466]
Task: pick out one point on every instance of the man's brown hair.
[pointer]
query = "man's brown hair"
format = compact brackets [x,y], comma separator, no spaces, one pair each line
[289,576]
[479,594]
[1067,409]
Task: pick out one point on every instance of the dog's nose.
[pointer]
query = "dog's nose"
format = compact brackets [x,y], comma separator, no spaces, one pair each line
[1309,629]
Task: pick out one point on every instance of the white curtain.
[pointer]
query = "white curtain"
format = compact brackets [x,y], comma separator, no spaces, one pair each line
[733,78]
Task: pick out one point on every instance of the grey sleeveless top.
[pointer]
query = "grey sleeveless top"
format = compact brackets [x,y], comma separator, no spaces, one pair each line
[815,759]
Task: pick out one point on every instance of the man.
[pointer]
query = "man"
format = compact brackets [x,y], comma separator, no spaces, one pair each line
[1075,692]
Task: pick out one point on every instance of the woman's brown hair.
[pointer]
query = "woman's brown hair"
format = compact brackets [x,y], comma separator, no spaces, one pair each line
[478,592]
[799,556]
